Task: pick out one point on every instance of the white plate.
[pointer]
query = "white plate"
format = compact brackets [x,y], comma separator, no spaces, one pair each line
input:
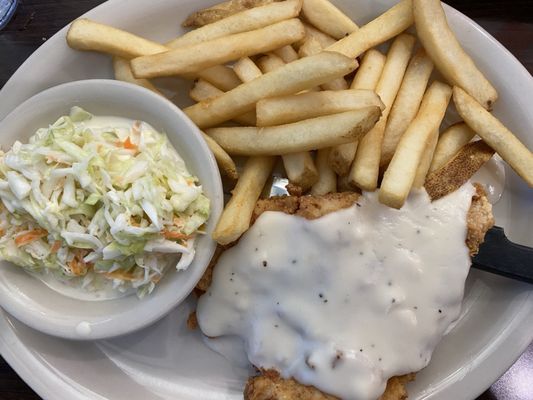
[166,361]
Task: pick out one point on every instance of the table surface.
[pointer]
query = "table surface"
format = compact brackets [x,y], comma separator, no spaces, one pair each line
[509,21]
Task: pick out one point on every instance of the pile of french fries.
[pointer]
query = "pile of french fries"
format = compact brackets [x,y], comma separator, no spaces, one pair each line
[282,78]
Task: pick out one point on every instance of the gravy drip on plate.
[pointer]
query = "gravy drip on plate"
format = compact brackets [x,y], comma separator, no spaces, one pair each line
[346,301]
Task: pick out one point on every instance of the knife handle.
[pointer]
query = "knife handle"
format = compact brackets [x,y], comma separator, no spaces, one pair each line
[499,255]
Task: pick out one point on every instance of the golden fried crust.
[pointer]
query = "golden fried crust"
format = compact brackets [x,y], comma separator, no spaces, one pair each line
[205,280]
[479,220]
[396,387]
[313,207]
[270,386]
[192,321]
[285,204]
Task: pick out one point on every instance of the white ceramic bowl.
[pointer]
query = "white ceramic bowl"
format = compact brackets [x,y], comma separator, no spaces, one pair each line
[32,302]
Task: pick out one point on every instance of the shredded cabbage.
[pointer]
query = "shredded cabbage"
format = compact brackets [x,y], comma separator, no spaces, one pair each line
[99,201]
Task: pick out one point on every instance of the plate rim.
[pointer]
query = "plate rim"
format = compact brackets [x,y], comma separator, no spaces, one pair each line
[50,385]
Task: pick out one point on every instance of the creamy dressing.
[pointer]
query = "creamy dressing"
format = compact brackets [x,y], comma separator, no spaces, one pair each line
[74,290]
[346,301]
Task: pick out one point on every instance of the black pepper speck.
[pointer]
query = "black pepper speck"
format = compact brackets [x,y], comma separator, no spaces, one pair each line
[265,263]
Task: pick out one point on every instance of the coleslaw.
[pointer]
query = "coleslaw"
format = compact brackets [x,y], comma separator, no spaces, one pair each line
[98,202]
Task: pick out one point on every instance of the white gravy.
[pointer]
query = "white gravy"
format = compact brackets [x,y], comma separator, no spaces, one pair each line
[346,301]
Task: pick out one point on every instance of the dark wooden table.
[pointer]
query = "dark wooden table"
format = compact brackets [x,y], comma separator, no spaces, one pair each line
[509,21]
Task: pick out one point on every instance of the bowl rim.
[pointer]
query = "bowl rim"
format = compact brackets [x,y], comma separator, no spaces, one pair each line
[116,326]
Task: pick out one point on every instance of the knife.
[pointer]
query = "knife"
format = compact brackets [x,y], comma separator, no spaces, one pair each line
[500,256]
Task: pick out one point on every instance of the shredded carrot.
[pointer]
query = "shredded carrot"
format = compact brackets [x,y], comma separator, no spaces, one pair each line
[174,235]
[56,246]
[129,145]
[78,266]
[156,278]
[125,276]
[31,236]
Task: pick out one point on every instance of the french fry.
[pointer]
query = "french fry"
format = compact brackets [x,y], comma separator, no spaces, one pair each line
[367,76]
[457,171]
[400,173]
[246,69]
[406,103]
[221,10]
[291,78]
[306,135]
[122,70]
[336,84]
[206,54]
[244,21]
[203,90]
[449,144]
[85,34]
[425,161]
[495,134]
[327,180]
[309,47]
[270,63]
[220,76]
[447,54]
[287,109]
[322,38]
[300,169]
[386,26]
[313,46]
[235,218]
[365,168]
[369,72]
[224,161]
[286,53]
[328,18]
